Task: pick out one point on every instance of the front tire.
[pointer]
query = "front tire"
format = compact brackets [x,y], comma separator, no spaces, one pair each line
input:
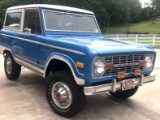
[12,69]
[124,94]
[65,97]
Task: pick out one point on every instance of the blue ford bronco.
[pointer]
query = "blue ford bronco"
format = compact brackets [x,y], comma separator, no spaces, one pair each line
[65,46]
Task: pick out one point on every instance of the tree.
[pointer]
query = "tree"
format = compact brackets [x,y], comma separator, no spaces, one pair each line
[103,9]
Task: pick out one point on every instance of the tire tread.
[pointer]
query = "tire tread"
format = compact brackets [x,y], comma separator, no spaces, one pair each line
[77,94]
[16,68]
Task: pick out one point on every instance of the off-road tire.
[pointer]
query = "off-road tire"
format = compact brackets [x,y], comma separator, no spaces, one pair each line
[124,94]
[78,97]
[15,68]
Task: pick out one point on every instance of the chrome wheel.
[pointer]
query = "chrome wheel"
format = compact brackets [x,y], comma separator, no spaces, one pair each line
[64,96]
[11,68]
[61,95]
[9,65]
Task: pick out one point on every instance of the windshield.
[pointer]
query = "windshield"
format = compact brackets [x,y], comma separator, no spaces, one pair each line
[55,21]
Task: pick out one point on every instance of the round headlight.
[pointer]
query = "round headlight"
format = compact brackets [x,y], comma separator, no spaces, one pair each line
[99,67]
[149,63]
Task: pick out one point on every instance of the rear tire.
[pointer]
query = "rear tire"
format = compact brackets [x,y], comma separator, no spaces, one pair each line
[12,69]
[124,94]
[64,96]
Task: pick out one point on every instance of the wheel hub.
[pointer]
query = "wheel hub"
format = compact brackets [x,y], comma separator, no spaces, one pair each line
[9,65]
[58,96]
[61,95]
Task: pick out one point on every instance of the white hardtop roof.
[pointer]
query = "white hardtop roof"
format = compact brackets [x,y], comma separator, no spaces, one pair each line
[57,7]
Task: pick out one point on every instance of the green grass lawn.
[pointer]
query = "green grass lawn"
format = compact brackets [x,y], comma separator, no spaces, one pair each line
[150,27]
[147,41]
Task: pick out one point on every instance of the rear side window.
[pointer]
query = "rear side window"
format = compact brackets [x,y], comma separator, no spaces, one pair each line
[32,21]
[13,20]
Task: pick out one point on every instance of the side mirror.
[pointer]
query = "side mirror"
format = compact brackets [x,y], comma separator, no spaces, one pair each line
[27,30]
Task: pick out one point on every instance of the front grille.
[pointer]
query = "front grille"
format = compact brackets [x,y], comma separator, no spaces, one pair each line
[124,63]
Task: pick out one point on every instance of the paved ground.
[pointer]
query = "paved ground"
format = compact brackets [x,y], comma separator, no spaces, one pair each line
[25,100]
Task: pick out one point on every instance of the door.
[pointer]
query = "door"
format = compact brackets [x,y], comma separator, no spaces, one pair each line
[29,44]
[11,29]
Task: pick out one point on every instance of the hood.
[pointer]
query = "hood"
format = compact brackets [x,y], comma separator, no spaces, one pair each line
[110,46]
[104,45]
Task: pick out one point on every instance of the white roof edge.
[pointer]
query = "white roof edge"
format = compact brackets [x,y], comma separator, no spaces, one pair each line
[57,7]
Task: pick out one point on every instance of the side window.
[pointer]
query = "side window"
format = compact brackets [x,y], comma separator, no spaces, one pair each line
[32,21]
[13,20]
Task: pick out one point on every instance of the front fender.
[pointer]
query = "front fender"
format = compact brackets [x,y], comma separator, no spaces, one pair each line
[79,78]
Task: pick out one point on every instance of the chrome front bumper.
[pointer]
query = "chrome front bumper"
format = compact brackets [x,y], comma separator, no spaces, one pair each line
[112,87]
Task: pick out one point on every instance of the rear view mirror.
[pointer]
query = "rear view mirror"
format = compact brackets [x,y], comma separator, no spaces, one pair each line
[27,30]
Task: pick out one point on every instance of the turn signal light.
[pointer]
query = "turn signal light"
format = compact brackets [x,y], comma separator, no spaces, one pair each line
[142,63]
[80,65]
[137,72]
[110,66]
[121,75]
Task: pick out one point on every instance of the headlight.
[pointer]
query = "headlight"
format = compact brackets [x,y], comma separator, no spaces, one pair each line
[99,67]
[149,62]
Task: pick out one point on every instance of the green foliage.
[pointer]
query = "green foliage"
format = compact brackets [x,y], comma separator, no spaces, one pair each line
[119,11]
[149,27]
[156,7]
